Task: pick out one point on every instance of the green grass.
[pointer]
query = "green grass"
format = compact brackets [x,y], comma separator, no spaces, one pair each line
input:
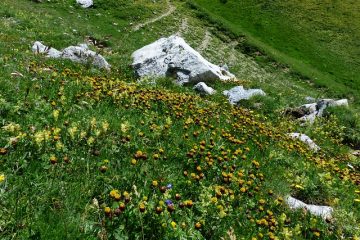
[76,143]
[318,40]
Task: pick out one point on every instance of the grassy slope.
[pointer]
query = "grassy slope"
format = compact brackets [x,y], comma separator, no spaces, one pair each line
[319,40]
[169,124]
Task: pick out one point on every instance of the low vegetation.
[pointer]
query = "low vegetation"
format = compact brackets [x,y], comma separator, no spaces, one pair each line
[317,40]
[91,154]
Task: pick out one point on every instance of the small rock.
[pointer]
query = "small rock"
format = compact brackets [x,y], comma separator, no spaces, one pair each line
[238,93]
[82,54]
[321,211]
[203,88]
[305,139]
[38,47]
[173,57]
[85,3]
[356,153]
[310,99]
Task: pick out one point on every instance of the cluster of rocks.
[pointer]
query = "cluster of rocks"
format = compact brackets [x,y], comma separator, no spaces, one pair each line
[309,112]
[173,57]
[80,53]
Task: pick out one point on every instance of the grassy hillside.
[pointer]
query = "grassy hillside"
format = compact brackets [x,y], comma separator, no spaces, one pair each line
[317,39]
[91,154]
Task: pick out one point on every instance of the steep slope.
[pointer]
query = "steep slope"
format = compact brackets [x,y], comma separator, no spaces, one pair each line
[91,154]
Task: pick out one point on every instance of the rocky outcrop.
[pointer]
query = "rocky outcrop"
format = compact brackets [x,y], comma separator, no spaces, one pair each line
[321,211]
[80,54]
[305,139]
[204,89]
[309,112]
[85,3]
[238,93]
[173,57]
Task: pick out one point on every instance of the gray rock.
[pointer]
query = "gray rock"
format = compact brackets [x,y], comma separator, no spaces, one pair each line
[305,139]
[82,54]
[173,57]
[38,47]
[85,3]
[238,93]
[309,112]
[310,99]
[203,88]
[79,54]
[322,211]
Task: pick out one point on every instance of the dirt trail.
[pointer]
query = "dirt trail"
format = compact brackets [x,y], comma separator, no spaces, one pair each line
[206,41]
[183,27]
[171,9]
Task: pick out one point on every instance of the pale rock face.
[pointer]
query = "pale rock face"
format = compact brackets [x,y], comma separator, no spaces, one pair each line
[321,211]
[203,88]
[79,54]
[305,139]
[238,93]
[38,47]
[85,3]
[173,57]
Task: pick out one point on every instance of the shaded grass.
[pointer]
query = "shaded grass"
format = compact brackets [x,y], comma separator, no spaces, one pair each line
[315,40]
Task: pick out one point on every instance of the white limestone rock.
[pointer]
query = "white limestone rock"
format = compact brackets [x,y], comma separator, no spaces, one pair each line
[173,57]
[38,47]
[80,53]
[85,3]
[203,88]
[305,139]
[238,93]
[322,211]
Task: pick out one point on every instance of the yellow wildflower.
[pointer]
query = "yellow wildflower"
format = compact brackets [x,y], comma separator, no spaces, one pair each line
[93,122]
[72,131]
[56,114]
[155,183]
[173,224]
[90,140]
[124,127]
[105,126]
[114,192]
[2,178]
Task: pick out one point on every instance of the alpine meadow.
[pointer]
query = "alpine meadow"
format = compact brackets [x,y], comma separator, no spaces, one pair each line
[179,119]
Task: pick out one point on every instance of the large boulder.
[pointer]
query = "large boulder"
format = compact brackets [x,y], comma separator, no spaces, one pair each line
[238,93]
[204,89]
[305,139]
[321,211]
[85,3]
[173,57]
[80,54]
